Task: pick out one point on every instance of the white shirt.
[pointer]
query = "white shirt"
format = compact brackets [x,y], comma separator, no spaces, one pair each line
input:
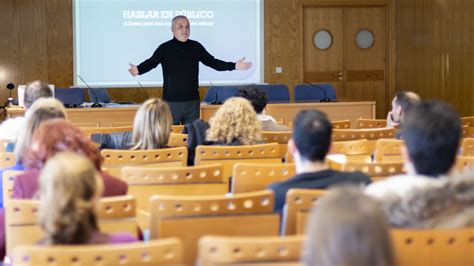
[10,129]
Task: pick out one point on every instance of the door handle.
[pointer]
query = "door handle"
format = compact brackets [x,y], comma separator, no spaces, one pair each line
[340,74]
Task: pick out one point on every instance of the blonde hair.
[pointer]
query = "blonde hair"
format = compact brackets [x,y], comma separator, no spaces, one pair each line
[235,120]
[152,125]
[42,110]
[347,228]
[69,187]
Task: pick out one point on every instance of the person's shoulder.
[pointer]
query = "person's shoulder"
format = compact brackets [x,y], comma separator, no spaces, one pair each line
[399,184]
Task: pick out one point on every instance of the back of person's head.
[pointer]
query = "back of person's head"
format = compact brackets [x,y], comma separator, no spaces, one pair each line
[406,100]
[58,135]
[69,189]
[255,95]
[432,130]
[152,125]
[312,135]
[235,120]
[42,110]
[35,90]
[347,228]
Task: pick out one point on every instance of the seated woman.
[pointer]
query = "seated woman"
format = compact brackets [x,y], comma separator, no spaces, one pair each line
[70,188]
[151,129]
[50,138]
[347,228]
[235,123]
[42,110]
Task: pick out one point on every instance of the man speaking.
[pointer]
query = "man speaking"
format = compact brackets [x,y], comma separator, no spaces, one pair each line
[180,59]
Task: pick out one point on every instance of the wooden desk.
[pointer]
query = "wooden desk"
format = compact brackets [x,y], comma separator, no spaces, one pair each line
[287,111]
[92,117]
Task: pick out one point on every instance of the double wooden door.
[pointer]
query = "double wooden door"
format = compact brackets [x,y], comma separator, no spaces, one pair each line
[347,47]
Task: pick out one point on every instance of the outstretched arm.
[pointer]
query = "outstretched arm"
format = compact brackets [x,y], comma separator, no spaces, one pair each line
[148,64]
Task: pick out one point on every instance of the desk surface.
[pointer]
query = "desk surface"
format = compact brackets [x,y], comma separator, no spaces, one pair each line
[124,115]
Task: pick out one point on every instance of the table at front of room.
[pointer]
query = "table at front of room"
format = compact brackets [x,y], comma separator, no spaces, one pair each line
[285,112]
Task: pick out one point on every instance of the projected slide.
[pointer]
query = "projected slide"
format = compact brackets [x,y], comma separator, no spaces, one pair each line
[110,34]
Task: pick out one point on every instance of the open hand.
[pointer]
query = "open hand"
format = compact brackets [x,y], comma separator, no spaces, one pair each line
[241,65]
[133,69]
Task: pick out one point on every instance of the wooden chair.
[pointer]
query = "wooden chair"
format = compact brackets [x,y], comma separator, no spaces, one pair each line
[116,214]
[143,182]
[370,123]
[115,160]
[157,252]
[299,203]
[337,124]
[388,150]
[190,217]
[7,181]
[228,156]
[177,129]
[269,250]
[467,132]
[464,162]
[467,121]
[7,159]
[248,177]
[467,147]
[178,140]
[376,170]
[280,137]
[433,247]
[370,134]
[354,151]
[105,130]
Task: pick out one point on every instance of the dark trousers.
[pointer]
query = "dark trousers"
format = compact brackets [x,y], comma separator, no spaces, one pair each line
[184,112]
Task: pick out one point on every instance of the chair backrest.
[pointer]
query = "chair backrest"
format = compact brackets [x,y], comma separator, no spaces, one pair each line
[467,147]
[143,182]
[376,170]
[467,132]
[433,247]
[369,134]
[70,97]
[225,250]
[341,124]
[388,150]
[178,140]
[464,162]
[280,137]
[371,123]
[115,160]
[467,121]
[105,130]
[177,128]
[248,177]
[116,214]
[353,150]
[314,92]
[7,159]
[228,156]
[157,252]
[220,93]
[191,217]
[8,179]
[276,93]
[99,95]
[299,203]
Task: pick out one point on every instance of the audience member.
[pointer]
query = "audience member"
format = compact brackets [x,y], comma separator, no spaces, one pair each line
[151,129]
[309,145]
[401,105]
[432,132]
[347,228]
[235,123]
[259,99]
[70,188]
[41,111]
[10,129]
[50,138]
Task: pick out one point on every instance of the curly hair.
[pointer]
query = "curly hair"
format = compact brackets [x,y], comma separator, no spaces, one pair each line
[255,95]
[235,120]
[69,187]
[152,125]
[58,135]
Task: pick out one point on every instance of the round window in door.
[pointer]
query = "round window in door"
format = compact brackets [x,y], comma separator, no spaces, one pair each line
[322,39]
[365,39]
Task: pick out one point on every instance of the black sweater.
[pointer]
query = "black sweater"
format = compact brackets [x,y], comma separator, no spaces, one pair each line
[180,62]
